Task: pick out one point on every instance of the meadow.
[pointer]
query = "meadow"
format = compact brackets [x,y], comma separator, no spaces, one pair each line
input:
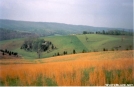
[95,42]
[83,69]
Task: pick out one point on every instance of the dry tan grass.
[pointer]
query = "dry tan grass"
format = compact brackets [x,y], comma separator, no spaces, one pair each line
[97,68]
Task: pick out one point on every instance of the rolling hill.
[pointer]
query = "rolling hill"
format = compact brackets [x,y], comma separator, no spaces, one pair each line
[95,42]
[50,28]
[99,59]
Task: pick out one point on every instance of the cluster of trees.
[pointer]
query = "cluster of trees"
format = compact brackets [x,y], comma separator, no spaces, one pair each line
[65,52]
[4,52]
[37,44]
[86,32]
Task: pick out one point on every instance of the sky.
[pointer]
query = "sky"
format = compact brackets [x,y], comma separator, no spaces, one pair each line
[97,13]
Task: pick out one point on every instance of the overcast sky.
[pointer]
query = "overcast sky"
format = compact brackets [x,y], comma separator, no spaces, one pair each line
[98,13]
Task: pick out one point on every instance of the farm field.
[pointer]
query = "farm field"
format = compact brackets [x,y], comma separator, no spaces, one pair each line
[83,69]
[95,42]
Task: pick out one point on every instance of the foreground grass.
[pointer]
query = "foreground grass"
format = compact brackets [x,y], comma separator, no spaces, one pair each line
[88,69]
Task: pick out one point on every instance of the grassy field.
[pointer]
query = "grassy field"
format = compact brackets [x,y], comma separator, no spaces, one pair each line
[98,42]
[83,69]
[69,43]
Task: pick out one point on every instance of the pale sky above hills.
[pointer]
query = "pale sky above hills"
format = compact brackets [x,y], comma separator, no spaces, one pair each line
[98,13]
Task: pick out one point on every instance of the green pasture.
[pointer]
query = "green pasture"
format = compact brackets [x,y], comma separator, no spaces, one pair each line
[98,42]
[95,42]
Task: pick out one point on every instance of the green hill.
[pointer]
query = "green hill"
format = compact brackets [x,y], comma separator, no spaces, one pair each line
[98,42]
[95,42]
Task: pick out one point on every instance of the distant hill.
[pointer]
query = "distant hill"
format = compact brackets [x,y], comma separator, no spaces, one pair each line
[49,28]
[6,34]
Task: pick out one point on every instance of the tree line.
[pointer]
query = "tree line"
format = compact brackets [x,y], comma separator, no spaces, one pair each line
[110,32]
[65,52]
[4,52]
[6,34]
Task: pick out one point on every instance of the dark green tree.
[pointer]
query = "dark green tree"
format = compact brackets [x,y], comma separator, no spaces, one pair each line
[74,51]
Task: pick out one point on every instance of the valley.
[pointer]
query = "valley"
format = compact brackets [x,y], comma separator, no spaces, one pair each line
[79,57]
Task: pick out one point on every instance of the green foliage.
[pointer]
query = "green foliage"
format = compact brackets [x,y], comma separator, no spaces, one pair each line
[111,75]
[50,82]
[32,44]
[85,32]
[39,81]
[86,75]
[13,81]
[2,82]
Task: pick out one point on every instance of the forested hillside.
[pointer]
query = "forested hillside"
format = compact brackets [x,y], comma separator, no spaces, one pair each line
[6,34]
[50,28]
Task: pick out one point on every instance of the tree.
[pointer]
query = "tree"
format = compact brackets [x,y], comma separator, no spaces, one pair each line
[3,53]
[58,54]
[86,38]
[73,51]
[103,32]
[6,50]
[52,46]
[85,32]
[64,52]
[83,51]
[10,53]
[104,49]
[39,53]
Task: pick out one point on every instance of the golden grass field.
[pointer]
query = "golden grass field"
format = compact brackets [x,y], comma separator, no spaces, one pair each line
[84,69]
